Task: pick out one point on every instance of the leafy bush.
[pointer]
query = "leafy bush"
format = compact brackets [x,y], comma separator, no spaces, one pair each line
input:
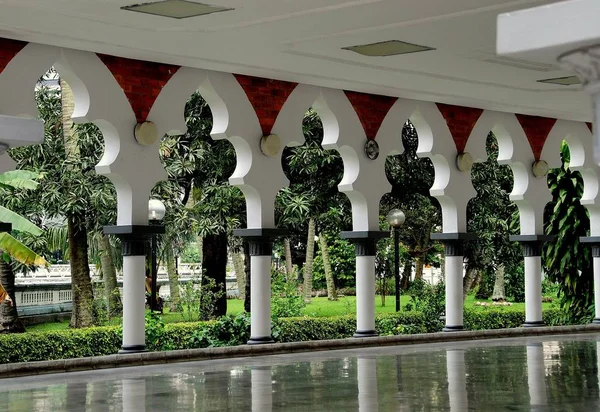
[286,301]
[199,298]
[514,279]
[343,264]
[429,300]
[235,330]
[225,331]
[504,318]
[76,343]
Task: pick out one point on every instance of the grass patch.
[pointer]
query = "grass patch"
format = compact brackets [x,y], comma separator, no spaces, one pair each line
[319,307]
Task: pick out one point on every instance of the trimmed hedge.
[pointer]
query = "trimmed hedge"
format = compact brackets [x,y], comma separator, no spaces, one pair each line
[226,331]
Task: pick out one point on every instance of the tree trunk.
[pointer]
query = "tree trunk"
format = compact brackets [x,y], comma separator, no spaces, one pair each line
[9,318]
[70,139]
[419,267]
[499,294]
[289,268]
[406,273]
[199,245]
[468,281]
[240,273]
[331,293]
[109,275]
[81,283]
[247,277]
[310,256]
[175,299]
[214,266]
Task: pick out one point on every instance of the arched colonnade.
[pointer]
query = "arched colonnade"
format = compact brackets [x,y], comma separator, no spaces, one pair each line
[134,103]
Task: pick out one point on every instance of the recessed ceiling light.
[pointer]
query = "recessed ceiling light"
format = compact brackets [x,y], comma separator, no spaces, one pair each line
[176,9]
[387,48]
[563,81]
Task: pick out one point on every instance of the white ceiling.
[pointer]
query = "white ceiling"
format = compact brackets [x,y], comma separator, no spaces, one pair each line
[301,40]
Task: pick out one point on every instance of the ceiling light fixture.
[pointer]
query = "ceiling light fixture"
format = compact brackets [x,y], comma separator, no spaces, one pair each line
[563,81]
[176,9]
[387,48]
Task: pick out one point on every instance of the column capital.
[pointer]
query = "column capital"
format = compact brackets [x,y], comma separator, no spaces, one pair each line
[531,244]
[365,241]
[260,240]
[594,242]
[585,62]
[453,242]
[134,238]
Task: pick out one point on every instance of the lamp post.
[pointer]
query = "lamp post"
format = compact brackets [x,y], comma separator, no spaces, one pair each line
[396,219]
[156,213]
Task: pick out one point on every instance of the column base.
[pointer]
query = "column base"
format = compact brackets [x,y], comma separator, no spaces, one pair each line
[365,334]
[260,340]
[534,324]
[456,328]
[125,349]
[596,321]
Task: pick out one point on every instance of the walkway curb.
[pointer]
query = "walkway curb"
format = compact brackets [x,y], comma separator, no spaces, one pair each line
[188,355]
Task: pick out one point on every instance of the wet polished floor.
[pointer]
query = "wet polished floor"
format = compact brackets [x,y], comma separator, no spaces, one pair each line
[529,374]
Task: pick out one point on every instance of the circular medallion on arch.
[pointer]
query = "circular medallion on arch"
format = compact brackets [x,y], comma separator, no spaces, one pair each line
[372,149]
[464,162]
[540,168]
[270,145]
[146,133]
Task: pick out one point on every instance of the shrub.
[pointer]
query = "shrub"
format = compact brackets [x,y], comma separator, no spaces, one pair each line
[343,264]
[235,330]
[430,300]
[76,343]
[504,318]
[286,301]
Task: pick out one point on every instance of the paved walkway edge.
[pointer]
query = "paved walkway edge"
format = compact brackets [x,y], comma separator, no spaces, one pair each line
[188,355]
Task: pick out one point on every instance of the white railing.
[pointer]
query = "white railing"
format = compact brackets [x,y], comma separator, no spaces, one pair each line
[62,274]
[42,296]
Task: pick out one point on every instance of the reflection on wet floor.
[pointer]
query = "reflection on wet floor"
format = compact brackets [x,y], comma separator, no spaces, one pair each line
[553,373]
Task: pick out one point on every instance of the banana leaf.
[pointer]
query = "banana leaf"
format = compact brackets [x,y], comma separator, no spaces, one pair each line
[18,251]
[19,179]
[18,222]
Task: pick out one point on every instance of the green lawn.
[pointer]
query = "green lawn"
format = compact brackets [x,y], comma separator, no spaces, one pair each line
[319,307]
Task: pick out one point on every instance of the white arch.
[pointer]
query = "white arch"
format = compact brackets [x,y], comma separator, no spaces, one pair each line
[451,187]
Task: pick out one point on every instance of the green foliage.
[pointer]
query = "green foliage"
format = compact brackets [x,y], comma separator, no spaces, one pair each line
[225,331]
[496,318]
[490,215]
[514,280]
[343,264]
[567,262]
[235,330]
[286,301]
[155,331]
[429,300]
[199,298]
[75,343]
[190,254]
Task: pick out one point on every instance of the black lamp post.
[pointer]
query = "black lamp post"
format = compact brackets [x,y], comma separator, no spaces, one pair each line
[396,219]
[156,213]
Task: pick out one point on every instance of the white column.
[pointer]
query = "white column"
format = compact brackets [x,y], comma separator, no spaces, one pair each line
[262,389]
[533,291]
[134,303]
[597,287]
[454,293]
[367,384]
[457,382]
[536,375]
[260,299]
[365,296]
[134,395]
